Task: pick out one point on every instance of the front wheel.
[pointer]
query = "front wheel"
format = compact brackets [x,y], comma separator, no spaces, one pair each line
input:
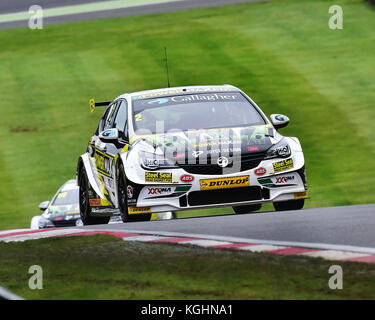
[247,209]
[84,203]
[123,200]
[289,205]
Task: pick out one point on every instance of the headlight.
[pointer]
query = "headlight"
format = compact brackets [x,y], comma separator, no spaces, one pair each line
[152,161]
[280,149]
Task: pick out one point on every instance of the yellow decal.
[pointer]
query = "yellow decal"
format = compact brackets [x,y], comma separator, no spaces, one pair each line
[92,105]
[99,203]
[300,195]
[72,212]
[139,210]
[158,177]
[62,195]
[222,183]
[283,165]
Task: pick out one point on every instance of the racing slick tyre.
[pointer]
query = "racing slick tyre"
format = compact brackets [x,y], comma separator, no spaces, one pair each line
[123,200]
[289,205]
[84,203]
[247,209]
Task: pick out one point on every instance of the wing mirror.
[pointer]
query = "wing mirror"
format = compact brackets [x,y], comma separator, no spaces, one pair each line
[279,120]
[109,135]
[43,205]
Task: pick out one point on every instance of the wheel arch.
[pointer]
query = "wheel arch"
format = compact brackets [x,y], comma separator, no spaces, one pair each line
[84,163]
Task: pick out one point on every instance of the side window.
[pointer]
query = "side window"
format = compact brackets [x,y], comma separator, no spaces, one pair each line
[121,122]
[109,116]
[103,122]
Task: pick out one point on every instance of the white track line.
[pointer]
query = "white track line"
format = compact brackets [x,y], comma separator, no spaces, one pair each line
[205,243]
[308,245]
[334,255]
[261,248]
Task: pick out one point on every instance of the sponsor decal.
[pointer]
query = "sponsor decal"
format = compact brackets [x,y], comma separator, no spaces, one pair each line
[130,191]
[187,178]
[222,183]
[158,177]
[104,163]
[133,210]
[73,212]
[159,190]
[95,202]
[300,195]
[283,179]
[289,179]
[205,97]
[252,149]
[260,171]
[283,165]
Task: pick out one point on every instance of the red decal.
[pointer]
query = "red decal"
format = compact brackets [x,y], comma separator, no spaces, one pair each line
[260,171]
[187,178]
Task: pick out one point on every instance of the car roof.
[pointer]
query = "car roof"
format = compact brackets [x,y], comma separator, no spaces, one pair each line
[178,90]
[69,185]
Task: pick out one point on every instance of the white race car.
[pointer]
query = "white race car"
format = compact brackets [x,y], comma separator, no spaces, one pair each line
[184,148]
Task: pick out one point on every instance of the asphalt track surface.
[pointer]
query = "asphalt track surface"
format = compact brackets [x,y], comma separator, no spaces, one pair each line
[345,226]
[12,6]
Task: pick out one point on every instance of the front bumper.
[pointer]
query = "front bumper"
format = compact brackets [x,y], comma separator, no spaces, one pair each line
[167,192]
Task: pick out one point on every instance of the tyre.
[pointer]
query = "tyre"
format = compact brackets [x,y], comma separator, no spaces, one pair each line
[123,200]
[247,209]
[84,204]
[289,205]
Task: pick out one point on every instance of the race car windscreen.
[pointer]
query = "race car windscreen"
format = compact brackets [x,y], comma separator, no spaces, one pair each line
[195,111]
[67,197]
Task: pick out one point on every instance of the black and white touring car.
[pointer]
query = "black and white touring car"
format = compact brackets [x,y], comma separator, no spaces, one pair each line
[62,210]
[188,148]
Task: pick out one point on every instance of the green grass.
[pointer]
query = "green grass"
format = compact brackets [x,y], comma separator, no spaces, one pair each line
[104,267]
[281,53]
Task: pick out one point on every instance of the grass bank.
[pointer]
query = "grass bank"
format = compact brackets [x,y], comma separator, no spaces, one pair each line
[104,267]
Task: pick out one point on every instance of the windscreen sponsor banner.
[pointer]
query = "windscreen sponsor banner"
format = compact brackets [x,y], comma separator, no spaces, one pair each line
[182,91]
[216,97]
